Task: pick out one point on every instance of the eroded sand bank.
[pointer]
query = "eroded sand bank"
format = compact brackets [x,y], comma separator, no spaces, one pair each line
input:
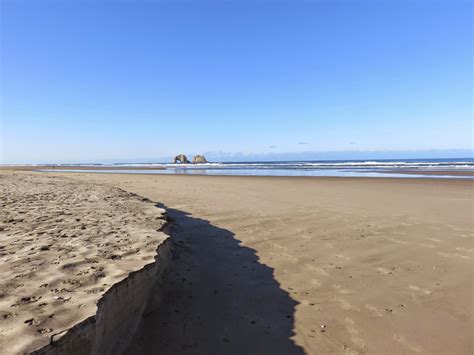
[73,254]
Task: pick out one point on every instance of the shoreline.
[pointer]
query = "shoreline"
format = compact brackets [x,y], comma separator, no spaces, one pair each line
[435,173]
[419,177]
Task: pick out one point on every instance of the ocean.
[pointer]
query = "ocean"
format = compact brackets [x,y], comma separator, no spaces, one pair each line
[440,168]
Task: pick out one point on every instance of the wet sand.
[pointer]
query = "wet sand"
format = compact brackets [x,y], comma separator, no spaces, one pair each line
[427,172]
[309,265]
[384,265]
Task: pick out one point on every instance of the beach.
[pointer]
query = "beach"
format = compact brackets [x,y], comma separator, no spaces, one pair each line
[76,258]
[236,178]
[288,265]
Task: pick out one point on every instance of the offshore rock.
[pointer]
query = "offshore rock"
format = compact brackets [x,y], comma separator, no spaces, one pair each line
[199,159]
[181,159]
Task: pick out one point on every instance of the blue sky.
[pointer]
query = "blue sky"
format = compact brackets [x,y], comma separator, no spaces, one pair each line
[104,80]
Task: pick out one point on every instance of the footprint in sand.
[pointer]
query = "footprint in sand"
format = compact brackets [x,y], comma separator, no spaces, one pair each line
[416,288]
[462,256]
[349,351]
[355,337]
[396,240]
[281,247]
[341,256]
[382,270]
[449,255]
[373,310]
[401,339]
[456,228]
[317,269]
[340,289]
[431,246]
[289,257]
[343,304]
[465,249]
[310,304]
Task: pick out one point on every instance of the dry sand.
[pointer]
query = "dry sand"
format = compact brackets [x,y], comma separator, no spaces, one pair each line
[63,244]
[310,265]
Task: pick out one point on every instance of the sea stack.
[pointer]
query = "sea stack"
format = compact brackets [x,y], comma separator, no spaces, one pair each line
[181,159]
[199,159]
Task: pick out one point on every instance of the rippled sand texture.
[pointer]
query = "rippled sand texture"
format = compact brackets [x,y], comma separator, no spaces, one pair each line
[63,244]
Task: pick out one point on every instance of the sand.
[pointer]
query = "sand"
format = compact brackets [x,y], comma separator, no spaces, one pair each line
[19,168]
[432,172]
[268,265]
[63,244]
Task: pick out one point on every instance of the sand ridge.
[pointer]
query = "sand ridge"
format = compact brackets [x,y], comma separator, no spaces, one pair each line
[63,244]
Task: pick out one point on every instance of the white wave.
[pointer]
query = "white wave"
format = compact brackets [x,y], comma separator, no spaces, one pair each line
[328,165]
[304,165]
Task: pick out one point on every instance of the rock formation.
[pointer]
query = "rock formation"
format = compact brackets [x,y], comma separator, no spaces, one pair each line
[199,159]
[182,159]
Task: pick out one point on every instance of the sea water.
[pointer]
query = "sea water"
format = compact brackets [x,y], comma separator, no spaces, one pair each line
[336,168]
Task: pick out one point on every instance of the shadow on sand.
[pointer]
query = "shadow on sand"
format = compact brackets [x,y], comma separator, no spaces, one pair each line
[215,298]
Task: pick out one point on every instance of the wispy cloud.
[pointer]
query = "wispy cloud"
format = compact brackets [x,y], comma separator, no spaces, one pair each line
[302,143]
[273,146]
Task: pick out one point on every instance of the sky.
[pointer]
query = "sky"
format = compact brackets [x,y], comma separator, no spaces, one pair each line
[92,81]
